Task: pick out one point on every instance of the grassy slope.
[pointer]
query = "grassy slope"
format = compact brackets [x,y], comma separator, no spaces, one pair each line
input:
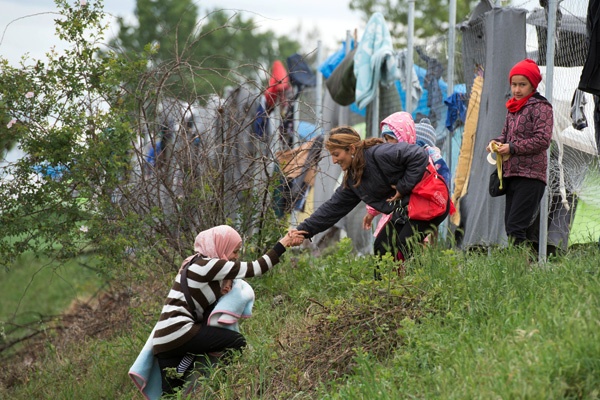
[457,326]
[36,286]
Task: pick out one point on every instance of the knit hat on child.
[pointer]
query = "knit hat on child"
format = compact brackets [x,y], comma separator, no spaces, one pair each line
[426,133]
[529,69]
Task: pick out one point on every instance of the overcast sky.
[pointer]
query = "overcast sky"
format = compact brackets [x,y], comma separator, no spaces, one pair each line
[27,26]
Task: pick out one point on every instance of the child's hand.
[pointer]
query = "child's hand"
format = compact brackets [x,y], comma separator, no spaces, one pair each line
[491,145]
[503,149]
[395,197]
[293,238]
[367,221]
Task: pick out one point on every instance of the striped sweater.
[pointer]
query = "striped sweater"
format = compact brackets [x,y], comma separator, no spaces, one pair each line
[176,324]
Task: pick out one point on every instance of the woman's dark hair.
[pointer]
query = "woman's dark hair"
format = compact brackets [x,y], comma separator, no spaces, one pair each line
[342,138]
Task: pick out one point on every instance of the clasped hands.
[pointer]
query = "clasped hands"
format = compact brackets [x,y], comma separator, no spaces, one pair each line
[294,237]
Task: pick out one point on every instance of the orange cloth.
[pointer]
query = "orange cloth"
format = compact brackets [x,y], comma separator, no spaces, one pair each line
[278,84]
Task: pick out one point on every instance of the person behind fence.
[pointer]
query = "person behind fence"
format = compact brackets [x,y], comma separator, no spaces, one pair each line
[523,144]
[427,138]
[398,127]
[383,176]
[181,332]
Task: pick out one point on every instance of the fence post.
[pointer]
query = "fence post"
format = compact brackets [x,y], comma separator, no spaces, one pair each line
[409,54]
[543,239]
[319,88]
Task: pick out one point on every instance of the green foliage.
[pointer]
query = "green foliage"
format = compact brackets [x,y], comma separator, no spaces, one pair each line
[40,287]
[220,49]
[69,117]
[502,329]
[36,293]
[88,112]
[166,25]
[454,325]
[457,325]
[7,141]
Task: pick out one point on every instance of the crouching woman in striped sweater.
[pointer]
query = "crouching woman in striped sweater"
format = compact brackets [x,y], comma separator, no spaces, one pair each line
[181,332]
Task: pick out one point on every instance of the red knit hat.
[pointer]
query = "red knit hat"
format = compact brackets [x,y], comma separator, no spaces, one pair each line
[529,69]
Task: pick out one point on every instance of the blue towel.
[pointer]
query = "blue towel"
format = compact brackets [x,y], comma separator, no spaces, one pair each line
[374,61]
[234,305]
[238,303]
[145,372]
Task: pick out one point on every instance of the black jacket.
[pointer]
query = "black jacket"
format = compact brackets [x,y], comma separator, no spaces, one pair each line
[590,75]
[402,165]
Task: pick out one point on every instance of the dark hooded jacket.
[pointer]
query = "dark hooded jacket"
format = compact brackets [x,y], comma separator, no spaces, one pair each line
[399,164]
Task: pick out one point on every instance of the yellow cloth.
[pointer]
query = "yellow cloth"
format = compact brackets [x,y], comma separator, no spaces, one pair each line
[308,206]
[465,158]
[499,160]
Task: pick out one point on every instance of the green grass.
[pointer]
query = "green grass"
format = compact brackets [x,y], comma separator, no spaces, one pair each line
[34,292]
[500,330]
[457,326]
[35,286]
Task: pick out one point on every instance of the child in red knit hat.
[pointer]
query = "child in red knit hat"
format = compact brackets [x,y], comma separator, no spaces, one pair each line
[523,145]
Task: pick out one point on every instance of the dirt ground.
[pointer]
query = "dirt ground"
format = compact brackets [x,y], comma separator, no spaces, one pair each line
[99,317]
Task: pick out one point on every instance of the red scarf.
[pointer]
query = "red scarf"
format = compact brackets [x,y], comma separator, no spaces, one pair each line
[514,105]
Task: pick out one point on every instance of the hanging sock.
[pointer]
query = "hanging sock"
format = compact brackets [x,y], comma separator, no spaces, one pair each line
[577,110]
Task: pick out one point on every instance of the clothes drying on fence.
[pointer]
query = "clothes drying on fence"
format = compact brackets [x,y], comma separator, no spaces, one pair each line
[298,167]
[301,74]
[279,83]
[435,69]
[474,40]
[286,129]
[590,76]
[374,61]
[154,151]
[53,172]
[457,110]
[341,84]
[301,77]
[413,88]
[332,62]
[260,124]
[504,47]
[465,158]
